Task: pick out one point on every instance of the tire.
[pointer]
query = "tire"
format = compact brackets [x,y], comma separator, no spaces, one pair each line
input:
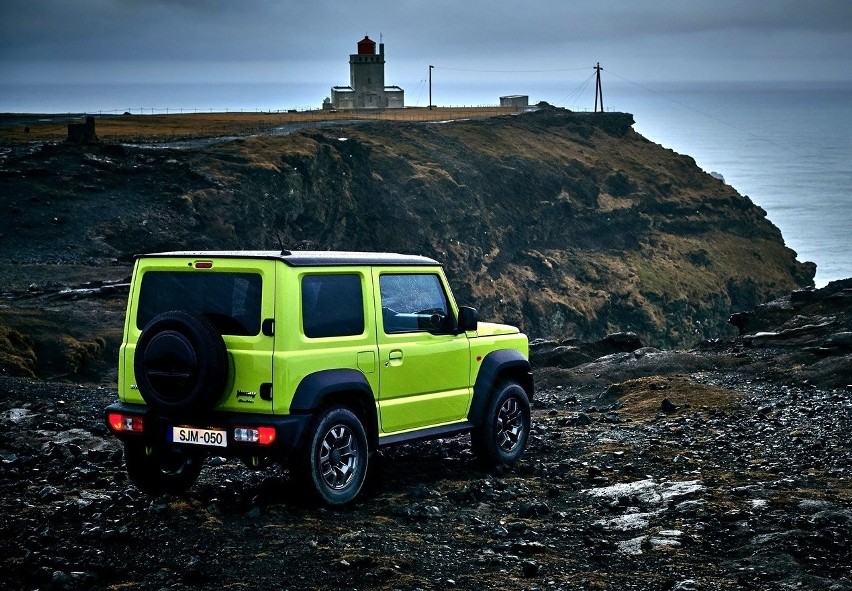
[501,437]
[161,470]
[332,463]
[181,363]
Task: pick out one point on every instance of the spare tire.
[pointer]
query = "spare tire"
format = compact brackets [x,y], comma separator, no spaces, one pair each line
[181,363]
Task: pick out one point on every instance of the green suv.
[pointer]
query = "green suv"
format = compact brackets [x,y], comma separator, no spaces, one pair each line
[318,358]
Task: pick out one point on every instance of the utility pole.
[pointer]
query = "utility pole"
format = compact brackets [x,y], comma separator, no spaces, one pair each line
[430,87]
[598,87]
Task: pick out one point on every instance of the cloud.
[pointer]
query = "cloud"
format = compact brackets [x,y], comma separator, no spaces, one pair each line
[646,38]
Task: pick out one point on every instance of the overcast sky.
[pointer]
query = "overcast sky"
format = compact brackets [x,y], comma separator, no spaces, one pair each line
[308,41]
[233,40]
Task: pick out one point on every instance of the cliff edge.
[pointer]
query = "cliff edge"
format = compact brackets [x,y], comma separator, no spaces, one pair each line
[568,224]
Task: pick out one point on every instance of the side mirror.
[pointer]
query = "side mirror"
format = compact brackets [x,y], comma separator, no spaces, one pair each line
[468,318]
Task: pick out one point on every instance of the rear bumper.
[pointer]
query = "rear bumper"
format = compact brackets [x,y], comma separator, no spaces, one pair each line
[156,429]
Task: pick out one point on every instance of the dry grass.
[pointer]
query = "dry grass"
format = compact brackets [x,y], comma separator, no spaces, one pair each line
[643,397]
[35,128]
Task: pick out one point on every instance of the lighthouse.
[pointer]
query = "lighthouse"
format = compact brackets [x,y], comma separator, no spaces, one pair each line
[367,88]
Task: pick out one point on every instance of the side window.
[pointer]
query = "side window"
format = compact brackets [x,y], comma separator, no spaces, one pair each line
[413,303]
[332,305]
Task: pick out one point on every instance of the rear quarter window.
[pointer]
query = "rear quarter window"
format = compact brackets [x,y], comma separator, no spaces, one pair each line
[230,301]
[332,305]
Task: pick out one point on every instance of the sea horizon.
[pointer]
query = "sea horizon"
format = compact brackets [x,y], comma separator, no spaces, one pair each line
[783,144]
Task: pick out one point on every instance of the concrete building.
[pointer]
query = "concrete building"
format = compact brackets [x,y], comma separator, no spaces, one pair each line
[366,88]
[515,100]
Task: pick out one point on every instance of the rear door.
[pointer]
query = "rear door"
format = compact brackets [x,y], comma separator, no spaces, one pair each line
[330,326]
[237,296]
[424,369]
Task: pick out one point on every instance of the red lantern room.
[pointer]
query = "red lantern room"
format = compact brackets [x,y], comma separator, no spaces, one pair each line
[366,46]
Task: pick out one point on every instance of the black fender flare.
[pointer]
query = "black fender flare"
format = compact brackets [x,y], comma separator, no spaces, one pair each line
[343,386]
[497,365]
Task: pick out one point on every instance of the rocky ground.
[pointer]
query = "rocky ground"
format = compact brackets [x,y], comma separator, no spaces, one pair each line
[722,467]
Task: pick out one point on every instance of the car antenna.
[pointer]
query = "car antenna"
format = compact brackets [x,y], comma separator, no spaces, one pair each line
[284,251]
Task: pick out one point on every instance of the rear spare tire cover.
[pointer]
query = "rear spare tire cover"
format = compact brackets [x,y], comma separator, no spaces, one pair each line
[181,363]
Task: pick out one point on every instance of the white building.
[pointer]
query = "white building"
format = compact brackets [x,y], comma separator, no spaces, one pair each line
[366,88]
[515,100]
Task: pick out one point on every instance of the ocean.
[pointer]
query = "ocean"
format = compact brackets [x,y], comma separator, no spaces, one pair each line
[785,145]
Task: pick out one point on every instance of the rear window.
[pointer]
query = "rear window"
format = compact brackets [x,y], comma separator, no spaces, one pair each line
[230,301]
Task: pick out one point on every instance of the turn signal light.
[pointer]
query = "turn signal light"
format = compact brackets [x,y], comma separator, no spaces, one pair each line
[119,423]
[259,435]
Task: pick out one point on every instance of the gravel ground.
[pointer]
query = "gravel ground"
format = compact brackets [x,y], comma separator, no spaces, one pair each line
[709,480]
[723,467]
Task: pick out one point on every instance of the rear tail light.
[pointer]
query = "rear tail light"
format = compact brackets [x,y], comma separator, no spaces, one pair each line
[259,435]
[125,423]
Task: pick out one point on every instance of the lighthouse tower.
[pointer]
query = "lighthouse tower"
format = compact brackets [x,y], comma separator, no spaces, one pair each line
[367,88]
[367,74]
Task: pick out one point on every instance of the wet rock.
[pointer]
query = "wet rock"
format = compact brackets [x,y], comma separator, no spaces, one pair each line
[196,571]
[594,471]
[627,522]
[559,356]
[533,509]
[50,493]
[525,547]
[530,568]
[841,341]
[254,513]
[790,337]
[692,508]
[811,506]
[669,538]
[60,580]
[580,419]
[574,353]
[17,416]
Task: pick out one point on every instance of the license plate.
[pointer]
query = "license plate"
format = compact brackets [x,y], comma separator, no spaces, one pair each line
[195,436]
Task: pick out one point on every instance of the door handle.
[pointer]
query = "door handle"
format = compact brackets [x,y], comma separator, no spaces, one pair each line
[394,358]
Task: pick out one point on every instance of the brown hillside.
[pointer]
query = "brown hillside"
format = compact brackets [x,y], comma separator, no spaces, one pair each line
[567,224]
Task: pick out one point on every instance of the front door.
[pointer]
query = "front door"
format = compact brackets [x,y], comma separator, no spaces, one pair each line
[424,369]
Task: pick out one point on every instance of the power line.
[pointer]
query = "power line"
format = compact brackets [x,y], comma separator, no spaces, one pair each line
[509,71]
[574,94]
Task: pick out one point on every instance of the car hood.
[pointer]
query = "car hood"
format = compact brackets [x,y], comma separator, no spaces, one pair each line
[487,329]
